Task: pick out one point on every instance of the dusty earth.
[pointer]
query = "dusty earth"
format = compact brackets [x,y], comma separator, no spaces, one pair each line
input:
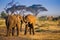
[43,35]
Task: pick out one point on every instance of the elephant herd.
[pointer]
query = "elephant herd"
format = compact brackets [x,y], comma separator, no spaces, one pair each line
[16,21]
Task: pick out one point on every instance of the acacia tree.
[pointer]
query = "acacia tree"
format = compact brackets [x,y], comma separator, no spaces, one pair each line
[12,7]
[35,9]
[21,8]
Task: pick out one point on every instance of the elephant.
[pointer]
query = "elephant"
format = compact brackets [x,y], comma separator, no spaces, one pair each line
[13,21]
[30,21]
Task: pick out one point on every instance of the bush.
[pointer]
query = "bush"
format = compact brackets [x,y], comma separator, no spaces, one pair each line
[3,14]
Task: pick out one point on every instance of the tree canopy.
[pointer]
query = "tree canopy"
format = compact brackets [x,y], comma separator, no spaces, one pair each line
[35,8]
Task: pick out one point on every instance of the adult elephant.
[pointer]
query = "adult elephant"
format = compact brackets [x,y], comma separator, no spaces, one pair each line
[13,21]
[30,21]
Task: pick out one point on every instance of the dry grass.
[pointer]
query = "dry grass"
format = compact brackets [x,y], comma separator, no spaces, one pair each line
[48,30]
[38,36]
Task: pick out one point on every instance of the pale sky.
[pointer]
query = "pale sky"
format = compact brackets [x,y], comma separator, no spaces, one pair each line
[53,6]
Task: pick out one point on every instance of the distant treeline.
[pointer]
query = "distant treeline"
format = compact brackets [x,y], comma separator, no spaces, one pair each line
[49,18]
[3,14]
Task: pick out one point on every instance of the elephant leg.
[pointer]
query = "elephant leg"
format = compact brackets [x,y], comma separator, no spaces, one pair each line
[30,30]
[21,27]
[13,31]
[33,30]
[10,30]
[18,30]
[7,32]
[7,25]
[26,30]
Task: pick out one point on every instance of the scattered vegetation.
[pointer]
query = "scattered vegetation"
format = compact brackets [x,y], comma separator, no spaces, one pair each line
[2,22]
[3,14]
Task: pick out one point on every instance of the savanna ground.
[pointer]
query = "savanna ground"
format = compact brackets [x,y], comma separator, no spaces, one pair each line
[48,30]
